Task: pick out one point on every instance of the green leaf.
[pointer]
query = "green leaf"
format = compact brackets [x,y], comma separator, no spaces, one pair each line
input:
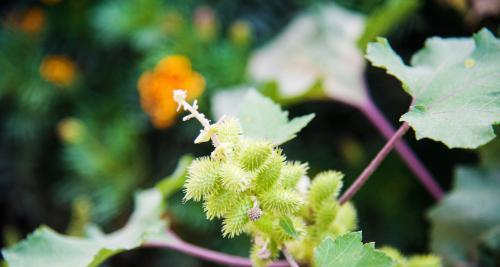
[455,86]
[45,247]
[469,211]
[318,48]
[348,251]
[262,119]
[287,225]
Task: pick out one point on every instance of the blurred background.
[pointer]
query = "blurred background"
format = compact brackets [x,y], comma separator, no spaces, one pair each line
[84,121]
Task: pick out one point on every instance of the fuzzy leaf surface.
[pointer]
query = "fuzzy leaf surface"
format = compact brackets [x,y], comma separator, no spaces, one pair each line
[263,119]
[455,83]
[349,251]
[45,247]
[465,214]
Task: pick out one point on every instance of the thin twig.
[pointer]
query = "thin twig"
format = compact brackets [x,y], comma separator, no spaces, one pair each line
[360,181]
[370,110]
[177,244]
[289,258]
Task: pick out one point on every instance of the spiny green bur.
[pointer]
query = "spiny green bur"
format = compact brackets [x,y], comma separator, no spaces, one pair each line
[412,261]
[252,188]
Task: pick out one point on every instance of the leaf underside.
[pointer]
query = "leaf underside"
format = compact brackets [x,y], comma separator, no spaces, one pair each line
[455,83]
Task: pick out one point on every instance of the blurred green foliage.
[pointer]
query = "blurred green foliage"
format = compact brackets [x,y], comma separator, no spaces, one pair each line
[88,170]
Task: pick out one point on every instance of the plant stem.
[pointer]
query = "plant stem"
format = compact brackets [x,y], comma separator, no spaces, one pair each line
[360,181]
[385,128]
[180,245]
[289,257]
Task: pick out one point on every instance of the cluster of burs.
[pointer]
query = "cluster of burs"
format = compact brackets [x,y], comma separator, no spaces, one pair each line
[253,189]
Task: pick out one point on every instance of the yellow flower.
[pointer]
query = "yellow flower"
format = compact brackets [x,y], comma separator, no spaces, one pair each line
[59,70]
[156,88]
[32,20]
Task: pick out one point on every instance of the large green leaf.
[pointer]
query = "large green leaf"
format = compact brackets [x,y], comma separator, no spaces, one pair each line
[319,46]
[45,247]
[455,84]
[260,118]
[349,251]
[469,211]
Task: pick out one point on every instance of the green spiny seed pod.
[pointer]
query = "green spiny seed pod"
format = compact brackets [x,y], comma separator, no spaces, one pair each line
[291,174]
[228,130]
[346,219]
[281,201]
[424,261]
[268,174]
[219,203]
[252,154]
[203,176]
[325,215]
[263,252]
[302,250]
[234,178]
[236,219]
[281,235]
[326,185]
[260,256]
[394,254]
[263,226]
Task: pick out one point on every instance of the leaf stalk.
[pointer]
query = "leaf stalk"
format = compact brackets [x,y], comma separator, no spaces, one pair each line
[374,164]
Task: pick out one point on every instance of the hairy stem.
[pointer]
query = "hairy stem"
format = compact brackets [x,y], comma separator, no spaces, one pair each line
[385,128]
[361,180]
[180,245]
[289,257]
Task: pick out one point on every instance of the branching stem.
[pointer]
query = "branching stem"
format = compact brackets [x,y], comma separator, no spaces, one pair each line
[180,245]
[385,128]
[361,180]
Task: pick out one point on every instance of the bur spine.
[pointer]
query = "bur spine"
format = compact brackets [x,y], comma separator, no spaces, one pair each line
[251,186]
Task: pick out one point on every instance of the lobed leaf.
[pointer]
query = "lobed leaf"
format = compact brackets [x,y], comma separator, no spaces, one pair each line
[455,85]
[45,247]
[348,251]
[262,119]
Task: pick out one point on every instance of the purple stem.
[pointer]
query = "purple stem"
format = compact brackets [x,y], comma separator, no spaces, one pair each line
[367,172]
[217,257]
[385,128]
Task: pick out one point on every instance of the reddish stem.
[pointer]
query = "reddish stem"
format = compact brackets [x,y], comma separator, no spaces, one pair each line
[385,128]
[361,180]
[180,245]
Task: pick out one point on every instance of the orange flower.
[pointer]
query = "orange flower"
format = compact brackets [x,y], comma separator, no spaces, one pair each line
[32,20]
[156,88]
[59,70]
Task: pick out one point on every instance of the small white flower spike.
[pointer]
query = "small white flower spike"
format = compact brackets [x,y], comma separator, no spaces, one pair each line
[207,132]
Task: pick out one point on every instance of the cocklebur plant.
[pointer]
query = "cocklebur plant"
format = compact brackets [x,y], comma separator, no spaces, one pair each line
[251,186]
